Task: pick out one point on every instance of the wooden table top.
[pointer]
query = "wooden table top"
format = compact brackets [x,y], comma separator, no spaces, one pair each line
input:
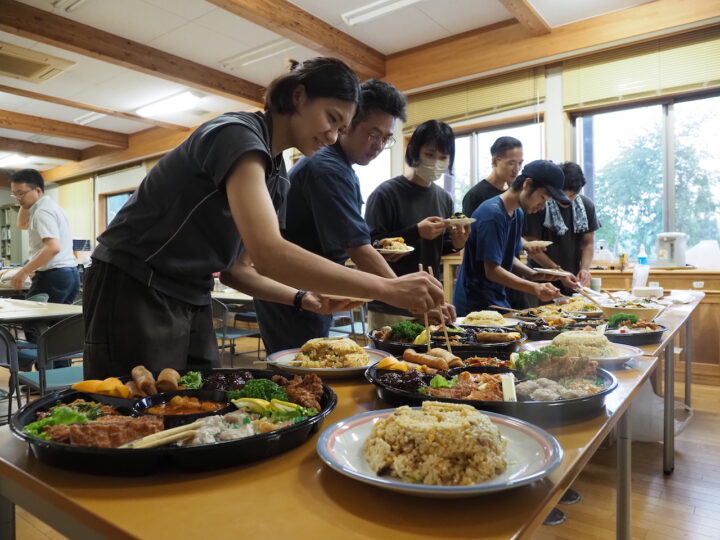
[296,495]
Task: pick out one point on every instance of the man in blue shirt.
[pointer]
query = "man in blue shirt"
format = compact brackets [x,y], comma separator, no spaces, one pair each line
[489,264]
[323,212]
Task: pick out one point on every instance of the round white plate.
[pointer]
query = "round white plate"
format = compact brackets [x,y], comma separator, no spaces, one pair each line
[282,359]
[537,243]
[553,272]
[343,297]
[384,251]
[461,221]
[532,454]
[509,321]
[627,353]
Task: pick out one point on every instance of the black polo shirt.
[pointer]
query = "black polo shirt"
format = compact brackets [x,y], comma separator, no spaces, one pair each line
[324,204]
[176,230]
[478,194]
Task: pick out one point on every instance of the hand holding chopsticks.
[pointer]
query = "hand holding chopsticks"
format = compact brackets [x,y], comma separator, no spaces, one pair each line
[442,322]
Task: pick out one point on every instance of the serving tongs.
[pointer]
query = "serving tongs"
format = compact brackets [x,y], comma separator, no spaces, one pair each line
[586,295]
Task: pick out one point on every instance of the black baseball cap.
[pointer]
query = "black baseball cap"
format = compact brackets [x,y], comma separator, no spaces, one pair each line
[547,174]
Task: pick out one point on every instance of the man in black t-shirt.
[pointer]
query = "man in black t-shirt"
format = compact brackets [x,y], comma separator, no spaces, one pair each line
[571,229]
[323,212]
[507,160]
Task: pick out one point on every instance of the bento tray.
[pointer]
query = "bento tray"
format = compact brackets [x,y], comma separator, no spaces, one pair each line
[637,339]
[539,412]
[132,462]
[396,348]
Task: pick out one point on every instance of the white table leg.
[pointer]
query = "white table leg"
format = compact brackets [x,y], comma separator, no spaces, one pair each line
[624,478]
[669,424]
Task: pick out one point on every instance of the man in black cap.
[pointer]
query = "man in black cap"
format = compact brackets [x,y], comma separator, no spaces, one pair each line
[489,264]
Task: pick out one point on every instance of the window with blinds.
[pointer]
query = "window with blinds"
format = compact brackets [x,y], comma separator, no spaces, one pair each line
[477,98]
[666,66]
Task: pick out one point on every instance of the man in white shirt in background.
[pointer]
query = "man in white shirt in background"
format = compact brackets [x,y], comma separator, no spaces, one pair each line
[52,265]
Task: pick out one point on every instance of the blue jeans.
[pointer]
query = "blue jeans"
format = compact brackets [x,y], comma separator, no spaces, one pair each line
[60,284]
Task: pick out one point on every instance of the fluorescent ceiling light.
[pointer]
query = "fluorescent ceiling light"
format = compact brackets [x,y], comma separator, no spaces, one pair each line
[13,160]
[374,10]
[89,117]
[258,54]
[67,5]
[177,103]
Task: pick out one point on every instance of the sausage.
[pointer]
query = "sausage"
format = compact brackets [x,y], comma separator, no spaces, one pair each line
[433,361]
[135,392]
[451,359]
[167,381]
[144,380]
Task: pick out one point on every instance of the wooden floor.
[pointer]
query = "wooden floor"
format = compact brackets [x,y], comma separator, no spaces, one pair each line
[683,505]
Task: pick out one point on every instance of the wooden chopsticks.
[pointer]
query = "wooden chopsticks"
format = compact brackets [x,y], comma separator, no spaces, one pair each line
[442,322]
[586,295]
[167,436]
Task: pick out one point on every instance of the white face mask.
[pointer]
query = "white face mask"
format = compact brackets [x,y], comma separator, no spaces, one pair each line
[431,169]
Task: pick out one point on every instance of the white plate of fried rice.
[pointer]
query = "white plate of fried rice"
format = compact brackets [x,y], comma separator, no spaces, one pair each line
[531,454]
[284,360]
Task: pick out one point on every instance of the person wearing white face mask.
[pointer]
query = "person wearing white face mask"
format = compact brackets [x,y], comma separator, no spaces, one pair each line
[413,207]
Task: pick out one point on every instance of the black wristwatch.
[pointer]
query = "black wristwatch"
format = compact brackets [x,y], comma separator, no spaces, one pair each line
[297,302]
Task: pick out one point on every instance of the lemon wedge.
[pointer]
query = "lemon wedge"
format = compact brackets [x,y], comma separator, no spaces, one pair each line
[421,339]
[283,406]
[255,405]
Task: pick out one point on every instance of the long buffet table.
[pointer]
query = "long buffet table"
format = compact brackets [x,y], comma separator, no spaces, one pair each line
[295,495]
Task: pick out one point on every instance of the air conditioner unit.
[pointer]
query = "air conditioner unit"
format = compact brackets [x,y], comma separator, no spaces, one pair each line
[28,65]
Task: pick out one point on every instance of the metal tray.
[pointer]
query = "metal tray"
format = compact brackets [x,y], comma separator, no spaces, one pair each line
[129,462]
[539,412]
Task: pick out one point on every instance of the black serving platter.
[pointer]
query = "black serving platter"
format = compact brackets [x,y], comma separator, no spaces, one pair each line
[637,338]
[550,332]
[141,406]
[131,462]
[539,412]
[476,349]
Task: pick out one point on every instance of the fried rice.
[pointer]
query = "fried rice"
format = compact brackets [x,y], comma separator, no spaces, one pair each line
[331,353]
[591,344]
[440,444]
[484,318]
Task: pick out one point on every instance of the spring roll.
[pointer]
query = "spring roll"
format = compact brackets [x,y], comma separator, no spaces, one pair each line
[167,381]
[494,337]
[451,359]
[144,380]
[433,361]
[135,392]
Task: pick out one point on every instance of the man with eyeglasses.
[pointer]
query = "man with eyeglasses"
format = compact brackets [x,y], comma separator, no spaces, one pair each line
[323,212]
[52,265]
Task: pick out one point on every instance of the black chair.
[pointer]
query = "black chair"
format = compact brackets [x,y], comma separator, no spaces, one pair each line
[62,341]
[228,334]
[8,359]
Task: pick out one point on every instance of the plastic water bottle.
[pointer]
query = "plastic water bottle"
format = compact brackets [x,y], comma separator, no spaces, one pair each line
[641,270]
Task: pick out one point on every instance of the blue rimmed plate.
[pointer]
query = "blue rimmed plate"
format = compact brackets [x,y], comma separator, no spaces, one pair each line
[532,454]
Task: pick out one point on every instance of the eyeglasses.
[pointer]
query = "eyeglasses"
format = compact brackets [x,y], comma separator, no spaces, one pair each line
[386,142]
[21,194]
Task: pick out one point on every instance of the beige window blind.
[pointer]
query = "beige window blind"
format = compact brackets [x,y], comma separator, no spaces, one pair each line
[666,66]
[477,98]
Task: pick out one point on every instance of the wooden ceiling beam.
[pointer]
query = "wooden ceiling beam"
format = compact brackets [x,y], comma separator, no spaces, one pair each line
[56,128]
[39,149]
[142,145]
[526,15]
[36,24]
[86,107]
[295,24]
[506,47]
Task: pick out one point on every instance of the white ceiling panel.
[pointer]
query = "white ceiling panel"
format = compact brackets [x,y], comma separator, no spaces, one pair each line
[457,16]
[119,17]
[265,71]
[129,91]
[49,110]
[562,12]
[57,141]
[225,23]
[187,9]
[9,102]
[119,125]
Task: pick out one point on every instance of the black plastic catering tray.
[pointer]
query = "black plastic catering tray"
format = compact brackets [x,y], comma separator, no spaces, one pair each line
[137,462]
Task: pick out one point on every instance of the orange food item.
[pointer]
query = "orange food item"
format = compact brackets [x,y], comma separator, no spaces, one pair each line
[185,405]
[90,386]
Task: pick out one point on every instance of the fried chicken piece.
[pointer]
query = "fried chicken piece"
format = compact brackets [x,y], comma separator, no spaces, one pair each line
[305,391]
[107,432]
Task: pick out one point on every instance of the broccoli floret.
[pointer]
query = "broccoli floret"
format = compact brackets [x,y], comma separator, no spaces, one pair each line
[261,389]
[618,319]
[406,331]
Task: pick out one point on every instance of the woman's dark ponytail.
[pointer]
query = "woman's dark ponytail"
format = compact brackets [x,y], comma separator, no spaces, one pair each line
[322,78]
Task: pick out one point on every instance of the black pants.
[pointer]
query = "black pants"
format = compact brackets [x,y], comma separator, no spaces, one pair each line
[284,327]
[128,324]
